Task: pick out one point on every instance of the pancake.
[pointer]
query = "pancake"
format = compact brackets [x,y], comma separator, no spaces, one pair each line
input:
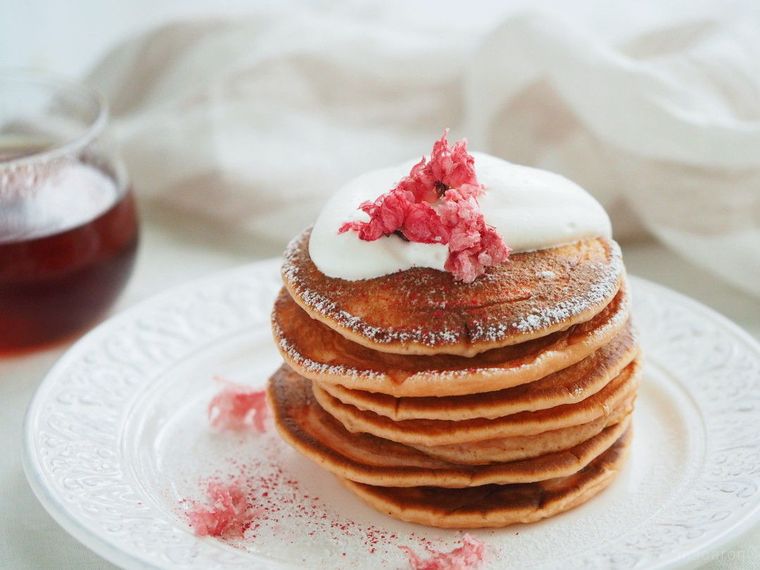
[524,447]
[497,505]
[569,385]
[426,311]
[445,432]
[313,432]
[317,352]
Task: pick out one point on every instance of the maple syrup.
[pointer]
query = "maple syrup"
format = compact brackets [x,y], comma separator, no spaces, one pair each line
[68,240]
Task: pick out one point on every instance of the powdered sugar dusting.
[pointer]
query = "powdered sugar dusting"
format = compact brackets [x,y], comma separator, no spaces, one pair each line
[294,356]
[535,315]
[336,363]
[565,310]
[322,305]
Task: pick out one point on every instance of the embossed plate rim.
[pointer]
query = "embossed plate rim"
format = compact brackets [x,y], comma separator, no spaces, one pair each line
[30,460]
[267,270]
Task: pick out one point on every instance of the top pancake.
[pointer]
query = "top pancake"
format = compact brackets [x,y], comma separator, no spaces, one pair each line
[426,311]
[321,354]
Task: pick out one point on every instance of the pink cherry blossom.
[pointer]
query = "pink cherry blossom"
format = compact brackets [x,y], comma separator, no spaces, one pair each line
[469,556]
[438,203]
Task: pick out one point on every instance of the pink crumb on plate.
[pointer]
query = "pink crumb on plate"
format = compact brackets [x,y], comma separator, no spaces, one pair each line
[228,514]
[237,408]
[469,556]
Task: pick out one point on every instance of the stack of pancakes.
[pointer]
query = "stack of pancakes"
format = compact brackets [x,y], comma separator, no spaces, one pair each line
[461,405]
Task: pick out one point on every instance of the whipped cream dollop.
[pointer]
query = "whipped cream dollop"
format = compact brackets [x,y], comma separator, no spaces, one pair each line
[530,208]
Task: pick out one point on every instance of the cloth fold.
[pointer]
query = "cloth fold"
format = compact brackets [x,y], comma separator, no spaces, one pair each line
[250,124]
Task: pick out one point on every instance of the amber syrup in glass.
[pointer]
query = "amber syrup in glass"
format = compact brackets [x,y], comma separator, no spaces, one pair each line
[67,248]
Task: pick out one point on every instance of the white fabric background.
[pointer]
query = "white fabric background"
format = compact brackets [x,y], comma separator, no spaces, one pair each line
[250,123]
[69,36]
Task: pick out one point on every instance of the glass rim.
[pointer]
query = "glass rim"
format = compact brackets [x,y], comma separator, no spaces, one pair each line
[58,83]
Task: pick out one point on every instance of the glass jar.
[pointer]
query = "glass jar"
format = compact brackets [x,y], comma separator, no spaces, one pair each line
[68,224]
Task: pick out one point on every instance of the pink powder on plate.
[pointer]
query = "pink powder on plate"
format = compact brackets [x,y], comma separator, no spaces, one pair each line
[237,408]
[469,556]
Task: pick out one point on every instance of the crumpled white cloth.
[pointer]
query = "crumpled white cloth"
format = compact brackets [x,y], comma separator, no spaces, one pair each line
[250,123]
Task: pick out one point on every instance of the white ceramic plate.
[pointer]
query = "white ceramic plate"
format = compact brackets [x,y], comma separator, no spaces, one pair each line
[117,439]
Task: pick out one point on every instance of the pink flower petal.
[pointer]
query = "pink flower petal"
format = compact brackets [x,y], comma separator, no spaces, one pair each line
[438,203]
[469,556]
[228,512]
[237,408]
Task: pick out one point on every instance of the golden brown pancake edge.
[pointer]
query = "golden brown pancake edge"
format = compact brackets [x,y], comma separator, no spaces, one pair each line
[497,506]
[319,353]
[444,432]
[426,311]
[291,401]
[566,386]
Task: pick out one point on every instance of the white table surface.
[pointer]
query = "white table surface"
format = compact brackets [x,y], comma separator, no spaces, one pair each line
[30,539]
